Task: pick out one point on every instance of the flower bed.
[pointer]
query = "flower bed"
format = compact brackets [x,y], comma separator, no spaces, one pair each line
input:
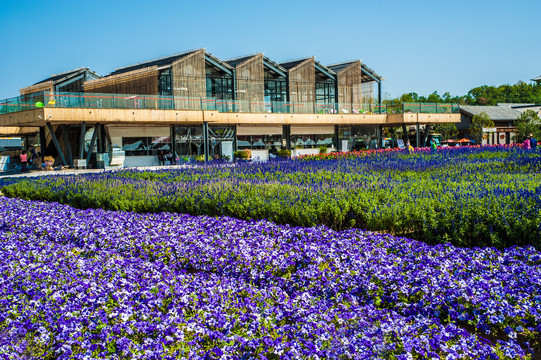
[95,283]
[470,196]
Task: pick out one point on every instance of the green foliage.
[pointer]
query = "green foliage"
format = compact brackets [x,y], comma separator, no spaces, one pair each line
[245,154]
[475,199]
[479,122]
[528,123]
[447,131]
[284,153]
[323,150]
[520,92]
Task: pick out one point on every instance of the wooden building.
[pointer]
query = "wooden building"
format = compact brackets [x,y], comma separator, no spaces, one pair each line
[69,81]
[194,104]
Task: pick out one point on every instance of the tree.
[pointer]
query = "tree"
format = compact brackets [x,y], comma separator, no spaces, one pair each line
[479,122]
[528,123]
[447,131]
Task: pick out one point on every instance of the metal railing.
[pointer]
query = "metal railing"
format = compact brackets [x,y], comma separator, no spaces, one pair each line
[164,102]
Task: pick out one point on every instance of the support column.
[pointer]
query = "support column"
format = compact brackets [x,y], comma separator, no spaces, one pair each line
[206,140]
[102,138]
[66,136]
[234,83]
[336,137]
[417,136]
[82,141]
[286,134]
[92,143]
[425,136]
[235,148]
[379,95]
[379,131]
[173,147]
[405,135]
[56,144]
[42,141]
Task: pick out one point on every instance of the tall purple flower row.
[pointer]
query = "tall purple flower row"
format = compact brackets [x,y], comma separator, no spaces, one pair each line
[102,284]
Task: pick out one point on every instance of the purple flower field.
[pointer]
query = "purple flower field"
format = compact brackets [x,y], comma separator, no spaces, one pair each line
[86,284]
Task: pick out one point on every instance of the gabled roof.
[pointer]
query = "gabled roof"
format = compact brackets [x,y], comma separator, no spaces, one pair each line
[341,66]
[291,64]
[496,113]
[65,75]
[537,78]
[163,61]
[239,60]
[367,74]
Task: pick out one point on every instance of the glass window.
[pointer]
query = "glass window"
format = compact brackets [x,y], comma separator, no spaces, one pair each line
[135,146]
[189,141]
[312,141]
[325,92]
[164,83]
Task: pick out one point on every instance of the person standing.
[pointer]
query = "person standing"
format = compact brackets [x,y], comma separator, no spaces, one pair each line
[526,144]
[433,146]
[533,142]
[161,158]
[410,148]
[32,156]
[24,161]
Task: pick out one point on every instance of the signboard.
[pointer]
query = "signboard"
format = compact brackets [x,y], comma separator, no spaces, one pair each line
[489,130]
[345,145]
[227,149]
[400,143]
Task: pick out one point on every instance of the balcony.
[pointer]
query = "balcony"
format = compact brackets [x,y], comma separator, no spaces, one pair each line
[163,102]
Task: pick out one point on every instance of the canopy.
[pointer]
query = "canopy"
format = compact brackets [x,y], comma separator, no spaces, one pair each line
[465,140]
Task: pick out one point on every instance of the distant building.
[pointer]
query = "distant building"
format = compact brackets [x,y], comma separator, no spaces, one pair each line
[69,81]
[537,80]
[194,104]
[504,116]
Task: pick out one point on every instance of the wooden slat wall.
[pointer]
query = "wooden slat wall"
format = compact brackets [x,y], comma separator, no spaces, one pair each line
[367,92]
[46,86]
[136,82]
[302,84]
[349,84]
[251,84]
[189,80]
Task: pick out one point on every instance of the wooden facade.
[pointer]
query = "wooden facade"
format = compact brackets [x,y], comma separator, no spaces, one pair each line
[349,84]
[69,81]
[44,86]
[189,77]
[137,82]
[250,80]
[302,85]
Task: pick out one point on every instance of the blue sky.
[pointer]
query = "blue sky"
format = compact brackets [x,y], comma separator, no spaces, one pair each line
[417,46]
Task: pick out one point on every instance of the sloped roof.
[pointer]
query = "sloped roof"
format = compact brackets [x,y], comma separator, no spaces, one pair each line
[291,64]
[236,61]
[163,61]
[537,78]
[496,113]
[341,66]
[367,74]
[63,75]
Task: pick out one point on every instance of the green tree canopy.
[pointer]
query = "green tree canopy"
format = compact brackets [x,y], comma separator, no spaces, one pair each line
[520,92]
[528,123]
[479,122]
[447,131]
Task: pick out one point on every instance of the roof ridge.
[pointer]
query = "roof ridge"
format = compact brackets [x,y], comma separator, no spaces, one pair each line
[244,56]
[156,59]
[69,71]
[344,62]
